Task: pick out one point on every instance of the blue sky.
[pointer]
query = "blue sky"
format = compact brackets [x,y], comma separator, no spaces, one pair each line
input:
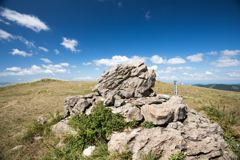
[189,41]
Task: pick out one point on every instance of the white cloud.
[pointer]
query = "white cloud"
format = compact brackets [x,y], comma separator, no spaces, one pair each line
[5,35]
[4,22]
[196,57]
[176,60]
[56,51]
[208,73]
[84,78]
[230,52]
[70,44]
[43,49]
[20,53]
[25,41]
[46,60]
[117,59]
[35,69]
[174,69]
[234,74]
[29,21]
[227,62]
[157,59]
[154,67]
[86,63]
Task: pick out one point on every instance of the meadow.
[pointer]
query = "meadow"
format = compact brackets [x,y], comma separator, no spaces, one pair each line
[20,104]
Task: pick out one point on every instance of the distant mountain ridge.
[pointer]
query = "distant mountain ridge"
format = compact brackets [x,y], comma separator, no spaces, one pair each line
[226,87]
[4,84]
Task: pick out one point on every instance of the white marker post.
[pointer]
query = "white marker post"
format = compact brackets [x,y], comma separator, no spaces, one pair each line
[175,91]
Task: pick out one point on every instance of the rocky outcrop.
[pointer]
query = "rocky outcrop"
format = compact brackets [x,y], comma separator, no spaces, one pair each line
[196,136]
[127,89]
[126,81]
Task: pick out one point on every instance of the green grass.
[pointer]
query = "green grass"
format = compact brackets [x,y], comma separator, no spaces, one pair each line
[178,156]
[37,129]
[20,104]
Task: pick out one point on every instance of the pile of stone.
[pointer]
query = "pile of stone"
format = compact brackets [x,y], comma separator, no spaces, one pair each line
[127,89]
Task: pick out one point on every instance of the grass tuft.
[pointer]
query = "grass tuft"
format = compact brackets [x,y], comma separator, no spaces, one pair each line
[178,156]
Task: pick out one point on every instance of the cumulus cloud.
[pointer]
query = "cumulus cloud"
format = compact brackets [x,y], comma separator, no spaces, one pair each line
[70,44]
[230,52]
[29,21]
[176,60]
[157,59]
[4,35]
[46,60]
[35,69]
[174,69]
[154,67]
[227,62]
[117,59]
[43,49]
[196,57]
[18,52]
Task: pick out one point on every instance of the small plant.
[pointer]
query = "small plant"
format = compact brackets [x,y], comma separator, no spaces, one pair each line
[127,155]
[37,129]
[150,156]
[133,124]
[147,124]
[178,156]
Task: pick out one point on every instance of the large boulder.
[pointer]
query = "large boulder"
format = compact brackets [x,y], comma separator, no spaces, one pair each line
[126,81]
[166,112]
[196,136]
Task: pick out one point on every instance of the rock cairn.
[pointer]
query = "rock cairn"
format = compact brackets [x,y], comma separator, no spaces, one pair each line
[127,89]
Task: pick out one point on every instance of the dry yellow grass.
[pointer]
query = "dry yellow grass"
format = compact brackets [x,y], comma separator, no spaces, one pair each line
[20,104]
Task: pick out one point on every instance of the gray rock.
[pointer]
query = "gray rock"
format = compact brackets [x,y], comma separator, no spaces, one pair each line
[162,114]
[128,111]
[88,151]
[42,120]
[77,104]
[126,81]
[62,128]
[197,137]
[16,148]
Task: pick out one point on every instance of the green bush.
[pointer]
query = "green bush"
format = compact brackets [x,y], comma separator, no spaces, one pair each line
[147,124]
[178,156]
[95,127]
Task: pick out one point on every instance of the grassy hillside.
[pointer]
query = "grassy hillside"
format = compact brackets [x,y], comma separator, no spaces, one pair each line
[20,104]
[226,87]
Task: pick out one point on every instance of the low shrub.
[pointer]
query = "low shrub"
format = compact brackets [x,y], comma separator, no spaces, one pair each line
[178,156]
[147,124]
